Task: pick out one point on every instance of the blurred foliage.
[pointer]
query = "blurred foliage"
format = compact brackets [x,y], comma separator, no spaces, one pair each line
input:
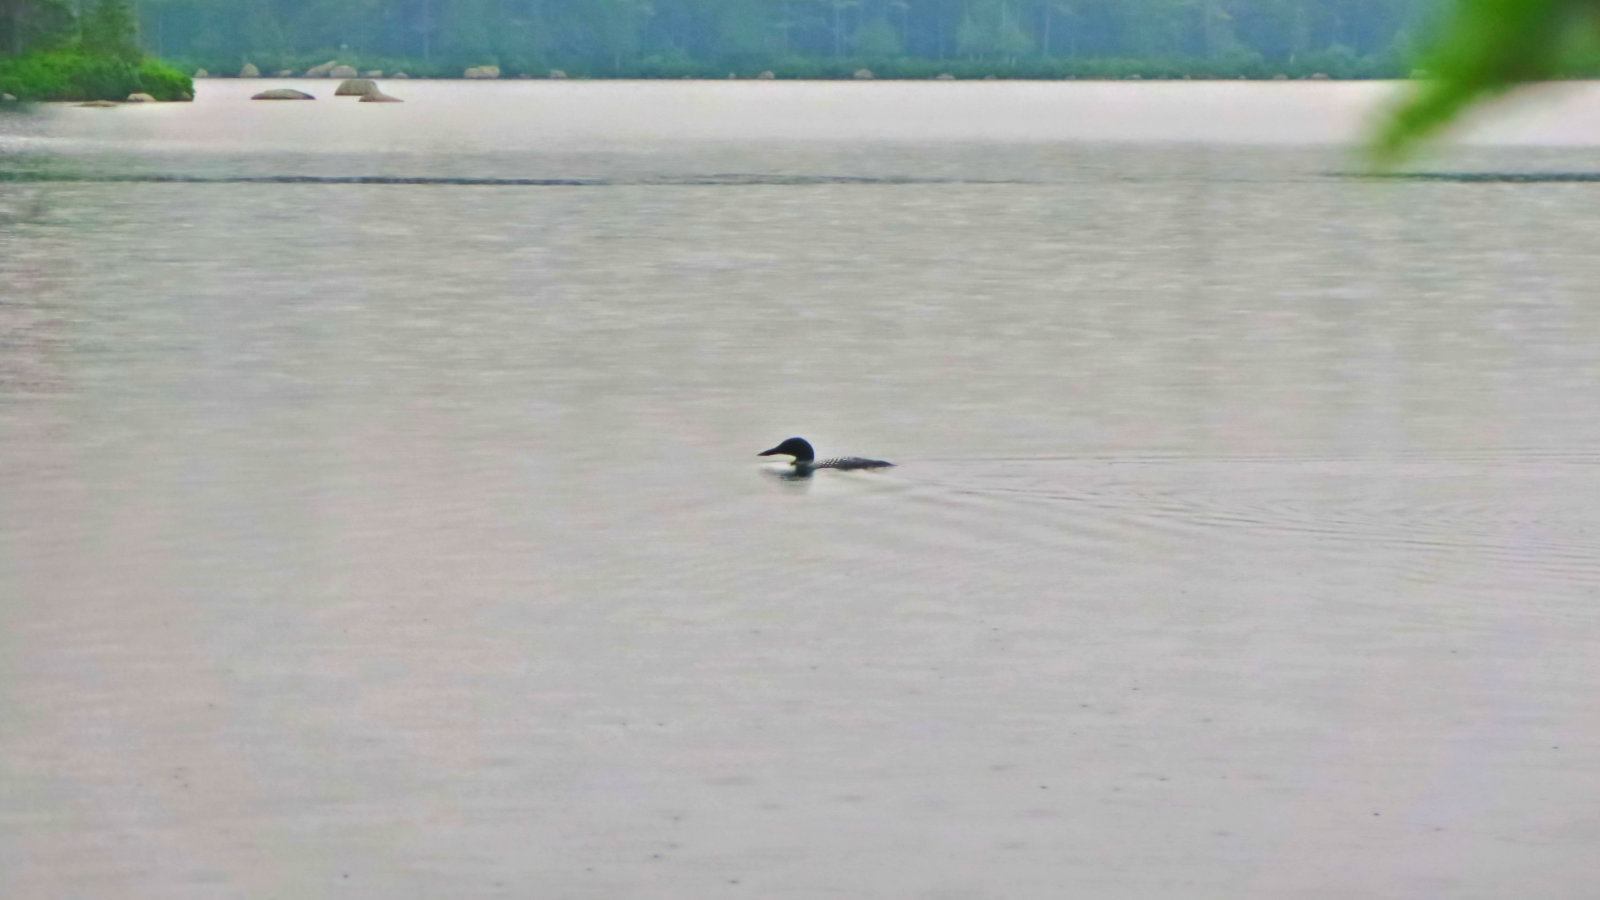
[1485,49]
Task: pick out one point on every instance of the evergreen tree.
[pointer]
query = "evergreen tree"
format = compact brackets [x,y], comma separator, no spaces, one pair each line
[877,40]
[108,29]
[34,24]
[464,32]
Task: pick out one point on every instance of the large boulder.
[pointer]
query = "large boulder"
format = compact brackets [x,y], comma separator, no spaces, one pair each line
[380,97]
[482,72]
[356,87]
[249,71]
[343,72]
[283,94]
[141,98]
[323,70]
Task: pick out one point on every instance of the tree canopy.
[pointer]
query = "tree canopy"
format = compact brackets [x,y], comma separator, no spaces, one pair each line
[85,50]
[35,24]
[618,35]
[103,27]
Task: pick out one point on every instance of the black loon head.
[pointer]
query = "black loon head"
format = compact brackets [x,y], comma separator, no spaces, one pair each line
[805,459]
[799,448]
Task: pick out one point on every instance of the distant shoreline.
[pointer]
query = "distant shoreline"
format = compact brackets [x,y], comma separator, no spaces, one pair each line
[1226,79]
[1106,69]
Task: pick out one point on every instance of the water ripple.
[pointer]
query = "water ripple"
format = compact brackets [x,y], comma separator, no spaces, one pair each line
[712,180]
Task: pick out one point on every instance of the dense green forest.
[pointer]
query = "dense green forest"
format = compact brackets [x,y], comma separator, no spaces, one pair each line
[86,50]
[797,37]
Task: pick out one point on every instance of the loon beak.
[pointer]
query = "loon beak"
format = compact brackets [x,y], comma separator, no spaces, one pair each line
[773,452]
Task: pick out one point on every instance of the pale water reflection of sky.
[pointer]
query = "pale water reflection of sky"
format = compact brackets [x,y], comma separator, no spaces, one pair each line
[409,541]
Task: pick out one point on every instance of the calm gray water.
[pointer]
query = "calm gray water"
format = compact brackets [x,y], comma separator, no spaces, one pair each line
[408,540]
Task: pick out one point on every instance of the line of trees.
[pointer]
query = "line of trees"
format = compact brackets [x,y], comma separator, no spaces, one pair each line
[79,50]
[602,37]
[102,27]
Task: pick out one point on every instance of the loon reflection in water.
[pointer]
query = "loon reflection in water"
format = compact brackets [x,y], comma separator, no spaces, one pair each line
[805,459]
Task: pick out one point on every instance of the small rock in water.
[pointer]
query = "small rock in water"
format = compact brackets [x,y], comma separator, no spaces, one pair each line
[99,104]
[201,73]
[768,75]
[372,73]
[7,98]
[283,94]
[249,71]
[863,74]
[557,73]
[380,97]
[342,72]
[323,70]
[141,98]
[356,87]
[482,72]
[944,76]
[399,75]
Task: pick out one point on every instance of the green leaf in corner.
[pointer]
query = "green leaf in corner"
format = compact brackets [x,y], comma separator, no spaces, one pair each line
[1485,49]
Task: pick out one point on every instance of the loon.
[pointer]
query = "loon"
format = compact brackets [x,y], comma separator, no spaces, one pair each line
[805,459]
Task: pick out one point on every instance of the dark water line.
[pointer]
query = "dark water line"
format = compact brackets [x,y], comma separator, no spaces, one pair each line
[1479,177]
[687,180]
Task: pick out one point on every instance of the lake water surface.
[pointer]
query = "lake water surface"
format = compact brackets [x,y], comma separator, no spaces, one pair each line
[407,539]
